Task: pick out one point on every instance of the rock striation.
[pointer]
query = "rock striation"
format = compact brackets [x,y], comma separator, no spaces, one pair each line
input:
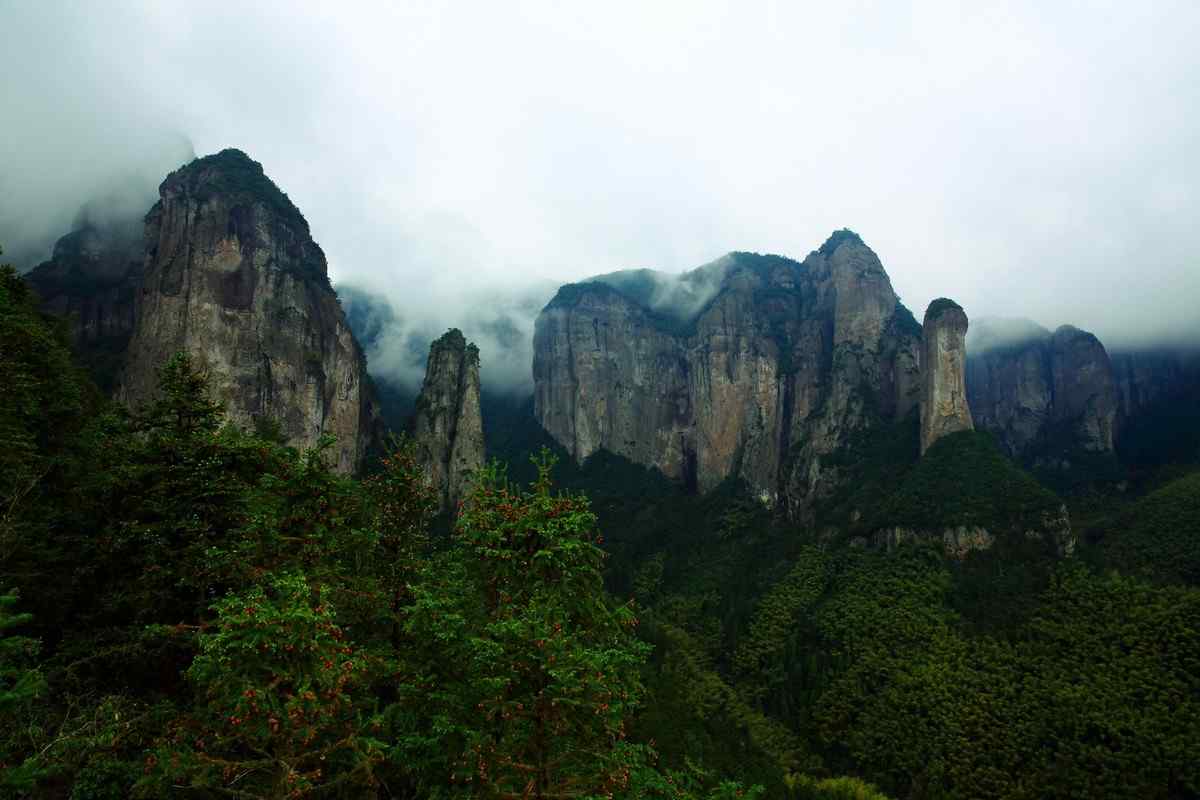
[1030,386]
[753,367]
[232,275]
[1085,389]
[1147,378]
[448,423]
[944,407]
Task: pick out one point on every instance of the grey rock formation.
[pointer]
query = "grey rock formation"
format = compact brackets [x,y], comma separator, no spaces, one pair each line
[448,423]
[1052,528]
[944,407]
[91,280]
[232,275]
[761,373]
[1085,391]
[1147,377]
[1027,385]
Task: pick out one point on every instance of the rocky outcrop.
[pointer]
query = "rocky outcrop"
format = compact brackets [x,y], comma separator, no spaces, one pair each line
[1085,391]
[1052,529]
[448,423]
[944,407]
[91,280]
[231,274]
[1029,386]
[760,373]
[1149,377]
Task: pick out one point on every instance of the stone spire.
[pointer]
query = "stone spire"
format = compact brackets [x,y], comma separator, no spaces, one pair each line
[944,406]
[448,425]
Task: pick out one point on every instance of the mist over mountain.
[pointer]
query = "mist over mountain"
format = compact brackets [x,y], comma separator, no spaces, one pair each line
[396,331]
[474,417]
[933,129]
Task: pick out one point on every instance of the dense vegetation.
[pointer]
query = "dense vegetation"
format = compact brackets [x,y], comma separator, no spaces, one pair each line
[783,655]
[964,479]
[189,609]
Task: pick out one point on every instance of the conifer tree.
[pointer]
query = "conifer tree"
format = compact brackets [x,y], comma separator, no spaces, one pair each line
[529,673]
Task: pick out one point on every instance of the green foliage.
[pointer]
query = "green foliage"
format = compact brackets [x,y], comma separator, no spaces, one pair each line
[875,461]
[21,684]
[1049,715]
[763,654]
[804,787]
[529,673]
[1159,535]
[45,400]
[964,479]
[275,715]
[203,607]
[692,782]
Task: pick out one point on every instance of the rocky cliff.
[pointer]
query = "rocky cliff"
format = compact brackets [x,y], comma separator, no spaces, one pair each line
[232,275]
[448,422]
[1028,386]
[1148,377]
[1085,390]
[753,367]
[91,280]
[944,406]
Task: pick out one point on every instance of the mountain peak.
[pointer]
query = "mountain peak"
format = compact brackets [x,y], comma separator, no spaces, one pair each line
[234,174]
[837,239]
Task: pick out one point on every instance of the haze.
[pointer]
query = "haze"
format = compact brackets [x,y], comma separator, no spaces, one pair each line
[1037,160]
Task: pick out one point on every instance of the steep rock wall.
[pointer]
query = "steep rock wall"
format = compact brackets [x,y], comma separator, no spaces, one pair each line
[91,280]
[233,276]
[448,423]
[944,407]
[1035,385]
[779,364]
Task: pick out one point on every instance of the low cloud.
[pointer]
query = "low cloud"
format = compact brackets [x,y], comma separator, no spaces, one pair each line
[1028,160]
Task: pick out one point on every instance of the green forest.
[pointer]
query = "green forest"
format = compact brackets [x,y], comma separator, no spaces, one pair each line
[189,609]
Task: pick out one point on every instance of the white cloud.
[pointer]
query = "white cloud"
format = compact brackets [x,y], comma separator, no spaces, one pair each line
[1035,159]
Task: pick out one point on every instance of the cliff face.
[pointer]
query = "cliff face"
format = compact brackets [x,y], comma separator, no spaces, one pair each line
[761,375]
[944,406]
[448,424]
[232,275]
[91,280]
[1085,391]
[1026,386]
[1148,377]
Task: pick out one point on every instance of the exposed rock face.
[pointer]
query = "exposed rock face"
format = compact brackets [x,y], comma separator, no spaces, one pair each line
[1025,384]
[232,275]
[1148,377]
[1085,392]
[448,424]
[760,375]
[1053,528]
[1010,385]
[944,406]
[91,279]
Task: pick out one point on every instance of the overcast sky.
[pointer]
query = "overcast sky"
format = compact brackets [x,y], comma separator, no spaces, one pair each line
[1039,159]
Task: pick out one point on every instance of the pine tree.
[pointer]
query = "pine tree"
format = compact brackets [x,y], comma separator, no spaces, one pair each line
[529,672]
[275,716]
